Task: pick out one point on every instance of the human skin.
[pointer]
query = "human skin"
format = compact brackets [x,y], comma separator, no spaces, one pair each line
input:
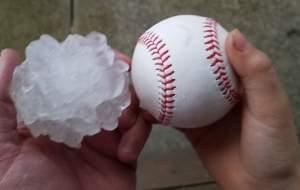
[105,161]
[255,146]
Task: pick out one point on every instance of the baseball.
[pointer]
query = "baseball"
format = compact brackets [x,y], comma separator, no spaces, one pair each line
[181,74]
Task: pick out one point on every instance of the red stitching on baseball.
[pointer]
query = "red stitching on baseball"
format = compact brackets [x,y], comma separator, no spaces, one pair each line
[219,68]
[165,74]
[166,101]
[167,88]
[213,46]
[164,68]
[211,42]
[214,55]
[165,82]
[160,55]
[167,96]
[217,61]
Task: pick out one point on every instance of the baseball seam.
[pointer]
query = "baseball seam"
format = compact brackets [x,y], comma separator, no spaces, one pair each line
[165,73]
[216,59]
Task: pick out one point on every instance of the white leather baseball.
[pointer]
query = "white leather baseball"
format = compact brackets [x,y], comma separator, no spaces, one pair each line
[181,73]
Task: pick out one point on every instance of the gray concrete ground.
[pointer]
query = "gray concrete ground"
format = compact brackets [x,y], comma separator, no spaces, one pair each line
[272,25]
[25,20]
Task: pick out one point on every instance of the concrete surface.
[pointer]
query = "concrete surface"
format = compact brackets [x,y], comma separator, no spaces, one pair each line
[272,25]
[171,169]
[204,187]
[22,21]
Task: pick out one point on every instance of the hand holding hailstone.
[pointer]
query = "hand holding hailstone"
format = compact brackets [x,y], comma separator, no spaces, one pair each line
[71,89]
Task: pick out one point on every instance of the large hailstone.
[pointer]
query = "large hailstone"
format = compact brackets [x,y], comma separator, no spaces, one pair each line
[71,89]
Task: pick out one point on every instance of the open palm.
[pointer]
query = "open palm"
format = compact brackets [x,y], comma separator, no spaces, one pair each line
[105,161]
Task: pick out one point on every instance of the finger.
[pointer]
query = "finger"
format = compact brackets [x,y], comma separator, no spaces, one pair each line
[149,118]
[105,142]
[129,115]
[9,59]
[203,136]
[133,141]
[264,95]
[122,56]
[23,131]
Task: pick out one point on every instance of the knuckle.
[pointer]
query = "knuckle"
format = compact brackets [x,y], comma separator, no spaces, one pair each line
[259,62]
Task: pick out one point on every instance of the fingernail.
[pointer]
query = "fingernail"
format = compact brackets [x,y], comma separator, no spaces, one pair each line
[240,42]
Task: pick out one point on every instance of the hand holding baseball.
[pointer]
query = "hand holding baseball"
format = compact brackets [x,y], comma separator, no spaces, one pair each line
[181,73]
[255,146]
[182,77]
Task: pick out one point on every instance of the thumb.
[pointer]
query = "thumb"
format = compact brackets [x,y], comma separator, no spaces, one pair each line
[9,59]
[133,141]
[264,96]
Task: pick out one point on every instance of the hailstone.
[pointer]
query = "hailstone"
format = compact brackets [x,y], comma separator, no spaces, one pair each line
[71,89]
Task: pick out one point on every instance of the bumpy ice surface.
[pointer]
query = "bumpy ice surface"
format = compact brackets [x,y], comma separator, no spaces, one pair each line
[71,89]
